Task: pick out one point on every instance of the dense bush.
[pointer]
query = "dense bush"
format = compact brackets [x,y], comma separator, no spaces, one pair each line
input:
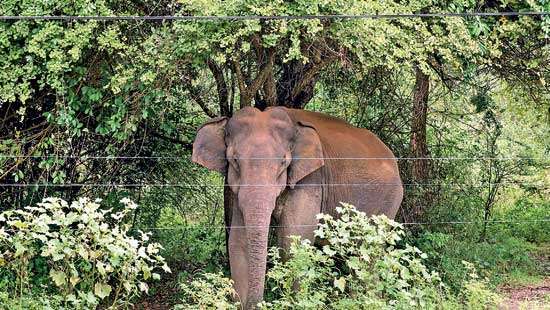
[504,256]
[38,301]
[210,291]
[362,264]
[187,245]
[194,248]
[80,251]
[530,211]
[499,260]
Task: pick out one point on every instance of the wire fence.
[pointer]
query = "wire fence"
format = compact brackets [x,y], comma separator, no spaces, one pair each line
[256,17]
[263,158]
[187,185]
[272,17]
[186,227]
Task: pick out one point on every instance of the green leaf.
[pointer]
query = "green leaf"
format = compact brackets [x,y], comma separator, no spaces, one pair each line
[328,250]
[143,287]
[340,284]
[20,224]
[58,277]
[102,290]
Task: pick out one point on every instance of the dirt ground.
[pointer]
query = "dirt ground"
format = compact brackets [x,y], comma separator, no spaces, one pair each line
[530,297]
[162,297]
[535,296]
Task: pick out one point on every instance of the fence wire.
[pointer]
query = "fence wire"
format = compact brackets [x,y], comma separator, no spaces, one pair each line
[306,17]
[262,158]
[186,227]
[187,185]
[271,17]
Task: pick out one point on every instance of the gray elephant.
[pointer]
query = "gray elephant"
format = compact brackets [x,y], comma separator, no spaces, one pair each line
[286,166]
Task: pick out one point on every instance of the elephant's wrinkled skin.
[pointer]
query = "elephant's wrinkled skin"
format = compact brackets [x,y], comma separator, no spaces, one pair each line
[286,166]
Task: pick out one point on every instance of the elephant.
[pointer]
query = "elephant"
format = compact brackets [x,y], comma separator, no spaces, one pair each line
[285,166]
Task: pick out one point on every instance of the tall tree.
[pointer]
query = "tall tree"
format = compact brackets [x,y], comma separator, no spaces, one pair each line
[123,88]
[419,144]
[279,62]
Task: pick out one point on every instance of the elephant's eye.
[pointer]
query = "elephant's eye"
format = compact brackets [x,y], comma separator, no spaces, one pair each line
[284,165]
[235,163]
[286,160]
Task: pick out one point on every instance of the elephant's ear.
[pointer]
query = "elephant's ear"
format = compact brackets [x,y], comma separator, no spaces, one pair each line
[307,154]
[209,146]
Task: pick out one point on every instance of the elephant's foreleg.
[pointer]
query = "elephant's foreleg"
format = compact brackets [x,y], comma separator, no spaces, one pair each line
[298,215]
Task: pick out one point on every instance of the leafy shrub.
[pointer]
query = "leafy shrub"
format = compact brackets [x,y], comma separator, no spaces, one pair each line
[192,238]
[363,264]
[191,244]
[87,258]
[530,211]
[211,291]
[31,302]
[198,247]
[475,293]
[495,260]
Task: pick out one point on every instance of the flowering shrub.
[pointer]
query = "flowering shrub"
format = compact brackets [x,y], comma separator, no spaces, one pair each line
[475,294]
[211,291]
[89,258]
[362,264]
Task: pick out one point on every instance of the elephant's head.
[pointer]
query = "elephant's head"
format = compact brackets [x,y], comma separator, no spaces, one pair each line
[261,154]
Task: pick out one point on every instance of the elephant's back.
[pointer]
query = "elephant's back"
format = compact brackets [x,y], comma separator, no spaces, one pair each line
[359,168]
[342,140]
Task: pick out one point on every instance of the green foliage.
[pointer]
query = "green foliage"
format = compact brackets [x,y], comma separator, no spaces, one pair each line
[195,246]
[475,294]
[498,260]
[507,254]
[372,42]
[192,235]
[86,257]
[527,220]
[362,264]
[211,291]
[99,85]
[31,302]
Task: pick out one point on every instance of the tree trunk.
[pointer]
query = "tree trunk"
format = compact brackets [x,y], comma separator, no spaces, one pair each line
[296,86]
[420,170]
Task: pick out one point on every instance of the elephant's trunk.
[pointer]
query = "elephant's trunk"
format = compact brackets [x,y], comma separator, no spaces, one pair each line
[257,211]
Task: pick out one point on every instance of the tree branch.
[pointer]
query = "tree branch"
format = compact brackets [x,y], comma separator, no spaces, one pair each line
[270,90]
[309,76]
[249,92]
[195,95]
[269,86]
[221,85]
[186,145]
[265,71]
[240,81]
